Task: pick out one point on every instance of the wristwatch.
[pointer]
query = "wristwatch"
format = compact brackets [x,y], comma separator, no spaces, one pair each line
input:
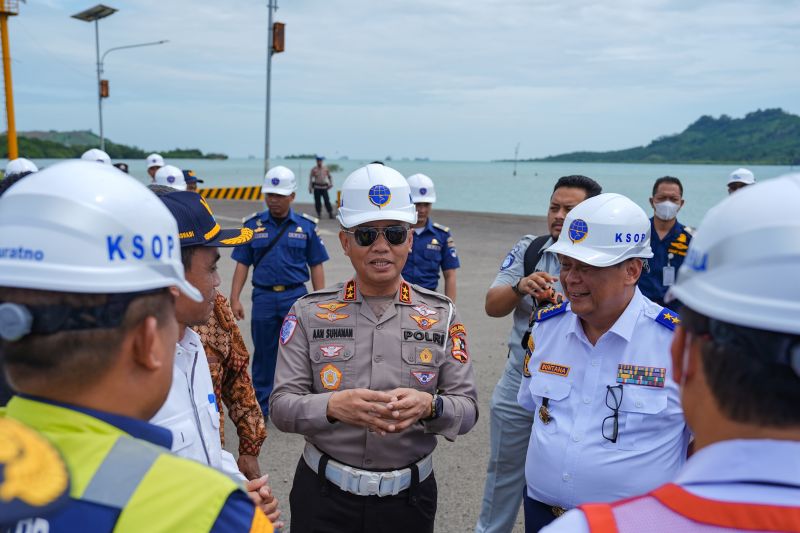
[437,407]
[515,288]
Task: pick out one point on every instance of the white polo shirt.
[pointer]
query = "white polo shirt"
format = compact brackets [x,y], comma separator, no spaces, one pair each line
[569,461]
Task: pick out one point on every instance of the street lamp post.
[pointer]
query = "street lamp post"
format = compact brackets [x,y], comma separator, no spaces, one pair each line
[94,14]
[271,6]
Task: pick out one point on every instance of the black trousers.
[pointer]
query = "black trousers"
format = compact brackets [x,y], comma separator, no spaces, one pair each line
[319,195]
[537,514]
[318,506]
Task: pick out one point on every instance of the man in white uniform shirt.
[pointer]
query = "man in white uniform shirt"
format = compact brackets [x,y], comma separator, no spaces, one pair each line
[608,422]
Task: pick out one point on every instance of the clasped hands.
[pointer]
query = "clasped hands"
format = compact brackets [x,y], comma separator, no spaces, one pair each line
[378,411]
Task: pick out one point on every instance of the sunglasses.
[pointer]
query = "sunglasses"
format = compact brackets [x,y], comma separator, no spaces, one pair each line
[366,236]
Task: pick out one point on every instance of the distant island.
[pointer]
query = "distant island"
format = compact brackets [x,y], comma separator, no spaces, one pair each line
[71,144]
[768,137]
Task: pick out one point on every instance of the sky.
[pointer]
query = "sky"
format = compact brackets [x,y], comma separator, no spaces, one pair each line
[443,79]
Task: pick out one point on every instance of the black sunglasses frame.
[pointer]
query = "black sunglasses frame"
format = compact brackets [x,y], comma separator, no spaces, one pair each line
[366,236]
[615,409]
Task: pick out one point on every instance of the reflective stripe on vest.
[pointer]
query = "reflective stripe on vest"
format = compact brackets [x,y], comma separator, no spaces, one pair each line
[672,507]
[120,473]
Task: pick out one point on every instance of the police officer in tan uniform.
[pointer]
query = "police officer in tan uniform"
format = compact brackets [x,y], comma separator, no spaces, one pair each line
[371,371]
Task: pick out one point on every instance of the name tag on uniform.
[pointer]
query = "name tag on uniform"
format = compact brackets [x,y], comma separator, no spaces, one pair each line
[668,276]
[261,235]
[554,368]
[648,376]
[294,235]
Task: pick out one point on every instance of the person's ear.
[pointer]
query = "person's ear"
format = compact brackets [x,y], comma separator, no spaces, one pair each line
[146,346]
[345,242]
[652,204]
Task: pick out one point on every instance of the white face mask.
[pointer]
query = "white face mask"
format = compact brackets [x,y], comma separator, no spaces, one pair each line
[667,210]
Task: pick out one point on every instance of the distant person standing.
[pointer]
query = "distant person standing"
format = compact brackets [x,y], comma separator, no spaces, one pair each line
[319,181]
[154,162]
[285,249]
[95,154]
[171,177]
[741,177]
[669,241]
[191,180]
[433,246]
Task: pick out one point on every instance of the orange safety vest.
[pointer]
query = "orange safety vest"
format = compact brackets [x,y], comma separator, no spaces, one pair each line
[672,508]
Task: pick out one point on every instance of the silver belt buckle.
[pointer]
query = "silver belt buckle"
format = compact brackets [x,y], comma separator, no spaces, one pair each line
[370,483]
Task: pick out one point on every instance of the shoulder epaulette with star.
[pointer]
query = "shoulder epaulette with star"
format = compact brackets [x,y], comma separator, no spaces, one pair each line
[550,312]
[250,216]
[441,227]
[668,318]
[315,220]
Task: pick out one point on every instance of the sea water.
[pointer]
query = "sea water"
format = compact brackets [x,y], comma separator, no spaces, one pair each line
[492,186]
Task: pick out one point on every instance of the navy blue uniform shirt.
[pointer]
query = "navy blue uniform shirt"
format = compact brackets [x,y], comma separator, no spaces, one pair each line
[669,251]
[432,249]
[287,262]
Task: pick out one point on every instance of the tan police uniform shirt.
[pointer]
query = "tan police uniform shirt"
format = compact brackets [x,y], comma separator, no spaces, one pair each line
[332,341]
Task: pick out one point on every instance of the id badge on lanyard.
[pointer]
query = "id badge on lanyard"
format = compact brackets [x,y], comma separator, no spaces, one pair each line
[668,273]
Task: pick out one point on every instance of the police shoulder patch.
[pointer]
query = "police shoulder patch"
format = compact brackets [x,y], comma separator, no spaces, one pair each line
[550,312]
[668,318]
[315,220]
[441,227]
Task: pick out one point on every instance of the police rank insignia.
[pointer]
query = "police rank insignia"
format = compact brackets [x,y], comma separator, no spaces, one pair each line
[426,355]
[288,327]
[332,315]
[423,310]
[424,322]
[405,293]
[350,291]
[331,377]
[331,350]
[648,376]
[668,319]
[424,378]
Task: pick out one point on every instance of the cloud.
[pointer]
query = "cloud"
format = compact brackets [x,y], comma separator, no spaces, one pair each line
[441,78]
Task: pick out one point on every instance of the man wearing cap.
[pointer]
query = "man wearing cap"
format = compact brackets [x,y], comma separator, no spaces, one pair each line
[370,372]
[19,167]
[433,247]
[153,163]
[285,251]
[527,280]
[95,154]
[319,182]
[669,240]
[88,335]
[608,422]
[739,178]
[191,180]
[736,356]
[170,176]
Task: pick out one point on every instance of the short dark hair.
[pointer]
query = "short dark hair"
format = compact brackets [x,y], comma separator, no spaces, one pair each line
[10,180]
[667,179]
[748,371]
[70,359]
[579,181]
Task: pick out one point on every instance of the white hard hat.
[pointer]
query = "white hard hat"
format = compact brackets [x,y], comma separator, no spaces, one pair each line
[171,177]
[87,228]
[422,189]
[20,166]
[154,160]
[95,154]
[605,230]
[744,258]
[376,192]
[741,175]
[279,180]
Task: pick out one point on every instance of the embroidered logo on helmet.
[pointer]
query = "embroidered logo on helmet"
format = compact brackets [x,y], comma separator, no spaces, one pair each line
[379,195]
[578,230]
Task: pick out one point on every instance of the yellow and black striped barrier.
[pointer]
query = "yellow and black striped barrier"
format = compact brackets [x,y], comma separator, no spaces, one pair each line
[232,193]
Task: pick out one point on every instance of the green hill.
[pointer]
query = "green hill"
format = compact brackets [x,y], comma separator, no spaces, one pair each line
[768,137]
[70,144]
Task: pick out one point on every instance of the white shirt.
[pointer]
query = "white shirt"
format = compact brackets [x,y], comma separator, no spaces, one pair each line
[511,271]
[190,411]
[569,462]
[765,472]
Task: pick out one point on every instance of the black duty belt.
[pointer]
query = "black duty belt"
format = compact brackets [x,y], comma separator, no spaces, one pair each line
[277,288]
